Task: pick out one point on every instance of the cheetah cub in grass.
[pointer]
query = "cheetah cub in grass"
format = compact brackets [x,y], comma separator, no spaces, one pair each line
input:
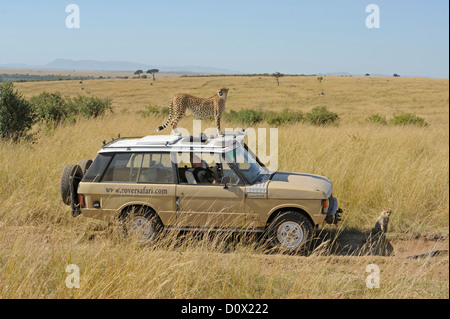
[381,225]
[200,107]
[377,243]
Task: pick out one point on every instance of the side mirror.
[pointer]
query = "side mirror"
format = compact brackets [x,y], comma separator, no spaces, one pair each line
[226,181]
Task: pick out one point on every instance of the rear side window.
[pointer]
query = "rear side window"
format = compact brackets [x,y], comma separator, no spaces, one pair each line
[154,168]
[95,171]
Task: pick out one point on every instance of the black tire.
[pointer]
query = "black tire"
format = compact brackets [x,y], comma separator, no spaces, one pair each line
[141,223]
[69,171]
[290,232]
[84,164]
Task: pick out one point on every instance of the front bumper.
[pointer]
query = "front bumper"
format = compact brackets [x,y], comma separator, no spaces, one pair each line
[334,213]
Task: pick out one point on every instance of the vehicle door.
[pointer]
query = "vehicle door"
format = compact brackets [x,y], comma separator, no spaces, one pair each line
[209,204]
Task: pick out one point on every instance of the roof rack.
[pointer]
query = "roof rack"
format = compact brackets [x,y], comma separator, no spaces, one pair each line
[119,138]
[169,140]
[159,140]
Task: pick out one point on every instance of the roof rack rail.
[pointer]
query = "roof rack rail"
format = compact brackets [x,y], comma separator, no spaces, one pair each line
[117,139]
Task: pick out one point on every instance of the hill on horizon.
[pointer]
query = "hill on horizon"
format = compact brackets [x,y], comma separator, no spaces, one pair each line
[94,65]
[126,66]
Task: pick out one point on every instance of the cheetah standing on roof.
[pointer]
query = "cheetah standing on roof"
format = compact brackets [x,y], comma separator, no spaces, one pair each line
[200,107]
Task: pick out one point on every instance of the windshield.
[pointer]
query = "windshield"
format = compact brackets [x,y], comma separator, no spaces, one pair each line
[246,163]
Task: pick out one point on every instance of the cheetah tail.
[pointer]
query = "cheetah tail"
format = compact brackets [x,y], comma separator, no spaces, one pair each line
[162,127]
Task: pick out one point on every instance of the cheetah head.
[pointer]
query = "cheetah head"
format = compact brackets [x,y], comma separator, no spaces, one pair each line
[222,93]
[387,212]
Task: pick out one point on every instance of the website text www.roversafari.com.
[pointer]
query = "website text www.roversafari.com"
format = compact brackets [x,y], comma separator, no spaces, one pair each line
[141,191]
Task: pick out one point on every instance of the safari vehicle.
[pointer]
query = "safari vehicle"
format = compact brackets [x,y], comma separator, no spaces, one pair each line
[149,183]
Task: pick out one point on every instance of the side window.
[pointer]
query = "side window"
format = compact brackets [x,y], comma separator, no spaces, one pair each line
[95,171]
[156,168]
[203,168]
[140,167]
[122,168]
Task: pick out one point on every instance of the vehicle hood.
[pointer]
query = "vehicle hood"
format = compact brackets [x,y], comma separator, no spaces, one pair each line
[283,185]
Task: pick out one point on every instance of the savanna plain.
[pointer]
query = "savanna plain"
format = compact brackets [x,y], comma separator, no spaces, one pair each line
[372,166]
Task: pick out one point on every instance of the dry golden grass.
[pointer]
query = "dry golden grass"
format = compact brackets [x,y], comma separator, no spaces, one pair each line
[353,98]
[371,166]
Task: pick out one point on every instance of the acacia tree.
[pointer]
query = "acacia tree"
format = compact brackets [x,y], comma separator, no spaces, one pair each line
[396,75]
[138,73]
[152,72]
[277,75]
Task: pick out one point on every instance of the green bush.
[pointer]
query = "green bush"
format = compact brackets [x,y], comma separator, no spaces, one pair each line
[16,114]
[90,106]
[377,119]
[51,108]
[286,116]
[245,116]
[54,108]
[248,116]
[292,116]
[273,118]
[408,119]
[321,116]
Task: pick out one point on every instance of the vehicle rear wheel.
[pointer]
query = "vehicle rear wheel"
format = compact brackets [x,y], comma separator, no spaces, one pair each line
[70,174]
[142,224]
[290,232]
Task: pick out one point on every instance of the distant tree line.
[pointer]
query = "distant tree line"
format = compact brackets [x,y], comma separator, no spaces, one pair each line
[4,77]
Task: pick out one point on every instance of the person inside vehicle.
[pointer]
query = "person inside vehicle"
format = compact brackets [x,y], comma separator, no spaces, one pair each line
[203,175]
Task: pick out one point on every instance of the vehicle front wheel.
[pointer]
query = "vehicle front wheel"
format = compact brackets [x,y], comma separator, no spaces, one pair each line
[141,224]
[290,232]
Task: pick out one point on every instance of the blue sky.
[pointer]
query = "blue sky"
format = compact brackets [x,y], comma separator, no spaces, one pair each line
[302,36]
